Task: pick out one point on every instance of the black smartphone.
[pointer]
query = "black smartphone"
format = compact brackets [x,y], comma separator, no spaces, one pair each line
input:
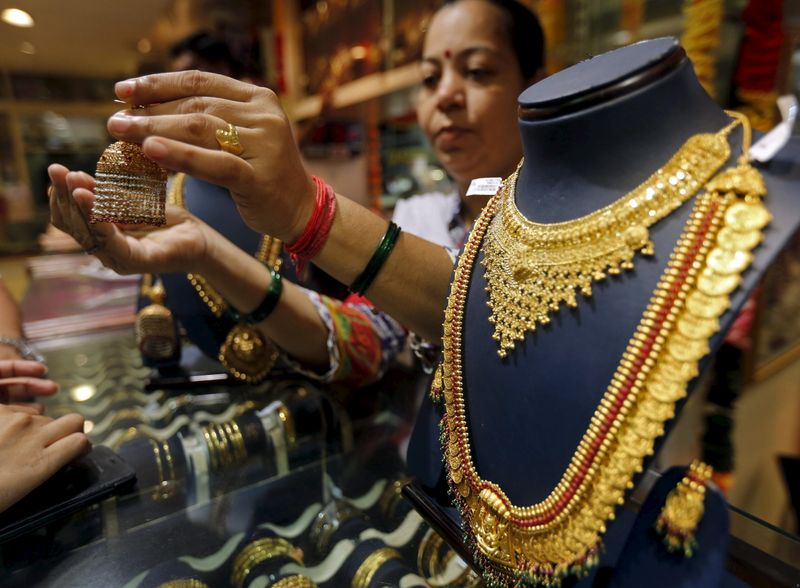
[86,481]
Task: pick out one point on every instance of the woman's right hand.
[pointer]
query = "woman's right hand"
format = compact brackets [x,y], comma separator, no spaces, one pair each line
[176,119]
[33,448]
[183,245]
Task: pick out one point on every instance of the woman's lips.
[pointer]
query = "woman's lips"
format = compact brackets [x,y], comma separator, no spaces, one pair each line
[451,134]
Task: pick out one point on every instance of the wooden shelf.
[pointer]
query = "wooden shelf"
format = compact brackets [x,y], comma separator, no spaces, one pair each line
[357,91]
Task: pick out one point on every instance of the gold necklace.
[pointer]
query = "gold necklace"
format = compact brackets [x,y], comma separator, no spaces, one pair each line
[532,269]
[561,535]
[246,353]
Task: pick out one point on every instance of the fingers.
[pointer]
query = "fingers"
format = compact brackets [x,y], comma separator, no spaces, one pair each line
[176,85]
[214,166]
[197,128]
[22,389]
[65,450]
[61,427]
[10,368]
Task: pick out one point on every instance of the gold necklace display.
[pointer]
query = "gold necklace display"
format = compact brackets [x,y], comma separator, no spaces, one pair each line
[246,353]
[560,536]
[532,269]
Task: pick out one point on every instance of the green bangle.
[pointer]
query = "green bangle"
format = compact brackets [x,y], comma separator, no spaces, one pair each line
[264,309]
[365,279]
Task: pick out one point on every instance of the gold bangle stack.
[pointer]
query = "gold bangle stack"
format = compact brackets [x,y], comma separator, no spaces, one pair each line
[428,555]
[295,582]
[370,566]
[258,552]
[225,444]
[288,425]
[162,489]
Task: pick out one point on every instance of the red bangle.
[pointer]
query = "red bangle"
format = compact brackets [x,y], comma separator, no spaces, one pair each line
[310,242]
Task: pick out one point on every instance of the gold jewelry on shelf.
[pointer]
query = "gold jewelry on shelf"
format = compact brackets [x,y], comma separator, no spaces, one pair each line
[228,139]
[155,327]
[131,188]
[370,566]
[428,556]
[532,269]
[258,552]
[297,581]
[542,543]
[327,523]
[683,510]
[246,354]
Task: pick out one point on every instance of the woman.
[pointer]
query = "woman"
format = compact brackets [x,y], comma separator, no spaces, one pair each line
[478,56]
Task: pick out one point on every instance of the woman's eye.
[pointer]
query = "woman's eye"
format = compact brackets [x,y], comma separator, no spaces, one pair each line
[478,73]
[429,81]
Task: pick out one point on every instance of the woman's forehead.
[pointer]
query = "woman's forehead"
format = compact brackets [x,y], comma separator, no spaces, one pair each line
[465,24]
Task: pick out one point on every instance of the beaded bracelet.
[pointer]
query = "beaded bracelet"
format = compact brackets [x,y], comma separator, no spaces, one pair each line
[264,309]
[365,279]
[318,227]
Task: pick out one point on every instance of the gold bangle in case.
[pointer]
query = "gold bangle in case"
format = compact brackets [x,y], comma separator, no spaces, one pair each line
[370,566]
[260,551]
[295,582]
[327,522]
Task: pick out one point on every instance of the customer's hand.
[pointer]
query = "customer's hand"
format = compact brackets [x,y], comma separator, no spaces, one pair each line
[21,382]
[33,448]
[177,123]
[182,245]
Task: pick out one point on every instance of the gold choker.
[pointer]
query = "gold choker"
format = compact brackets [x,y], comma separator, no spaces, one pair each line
[532,269]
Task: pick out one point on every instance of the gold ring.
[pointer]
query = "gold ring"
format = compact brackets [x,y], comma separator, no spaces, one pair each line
[228,140]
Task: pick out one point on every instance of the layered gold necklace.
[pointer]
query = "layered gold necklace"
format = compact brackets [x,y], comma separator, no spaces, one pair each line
[561,535]
[246,353]
[532,269]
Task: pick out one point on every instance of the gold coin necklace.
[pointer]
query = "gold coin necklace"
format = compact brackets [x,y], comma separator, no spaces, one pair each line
[246,354]
[532,269]
[560,536]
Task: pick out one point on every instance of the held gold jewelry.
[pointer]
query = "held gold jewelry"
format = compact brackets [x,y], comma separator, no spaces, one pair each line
[258,552]
[246,354]
[155,326]
[131,188]
[184,583]
[683,510]
[370,566]
[561,536]
[228,139]
[532,269]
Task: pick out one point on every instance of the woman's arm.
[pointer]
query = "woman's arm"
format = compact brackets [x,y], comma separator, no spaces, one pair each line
[177,126]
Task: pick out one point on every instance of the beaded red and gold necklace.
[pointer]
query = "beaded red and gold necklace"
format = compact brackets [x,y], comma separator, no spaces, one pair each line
[561,535]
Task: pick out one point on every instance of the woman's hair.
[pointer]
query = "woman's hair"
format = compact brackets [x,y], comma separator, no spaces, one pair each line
[524,33]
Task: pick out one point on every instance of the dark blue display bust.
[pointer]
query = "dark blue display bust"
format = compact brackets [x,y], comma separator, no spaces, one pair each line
[592,133]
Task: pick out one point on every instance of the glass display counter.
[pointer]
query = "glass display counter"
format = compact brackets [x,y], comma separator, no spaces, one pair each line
[236,485]
[281,484]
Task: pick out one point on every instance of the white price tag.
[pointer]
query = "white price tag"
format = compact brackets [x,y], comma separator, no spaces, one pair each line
[484,186]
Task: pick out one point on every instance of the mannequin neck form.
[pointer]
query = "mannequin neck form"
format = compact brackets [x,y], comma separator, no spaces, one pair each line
[579,162]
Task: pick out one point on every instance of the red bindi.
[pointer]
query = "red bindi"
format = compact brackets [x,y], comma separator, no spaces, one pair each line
[447,54]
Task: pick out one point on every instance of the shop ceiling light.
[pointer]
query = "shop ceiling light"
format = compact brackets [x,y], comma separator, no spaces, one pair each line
[17,18]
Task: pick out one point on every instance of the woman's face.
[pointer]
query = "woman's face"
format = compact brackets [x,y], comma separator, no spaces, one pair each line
[467,104]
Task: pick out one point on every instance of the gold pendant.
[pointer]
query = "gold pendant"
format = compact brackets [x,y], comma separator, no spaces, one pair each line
[247,355]
[683,510]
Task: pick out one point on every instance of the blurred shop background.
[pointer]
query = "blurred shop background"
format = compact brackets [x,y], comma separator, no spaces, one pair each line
[346,72]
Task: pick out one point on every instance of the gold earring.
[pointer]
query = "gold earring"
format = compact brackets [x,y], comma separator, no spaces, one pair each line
[155,327]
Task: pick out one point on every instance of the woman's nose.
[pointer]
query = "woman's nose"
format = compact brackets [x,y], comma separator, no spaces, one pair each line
[450,92]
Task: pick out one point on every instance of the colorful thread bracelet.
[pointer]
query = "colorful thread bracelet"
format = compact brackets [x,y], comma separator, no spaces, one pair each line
[379,257]
[264,309]
[314,236]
